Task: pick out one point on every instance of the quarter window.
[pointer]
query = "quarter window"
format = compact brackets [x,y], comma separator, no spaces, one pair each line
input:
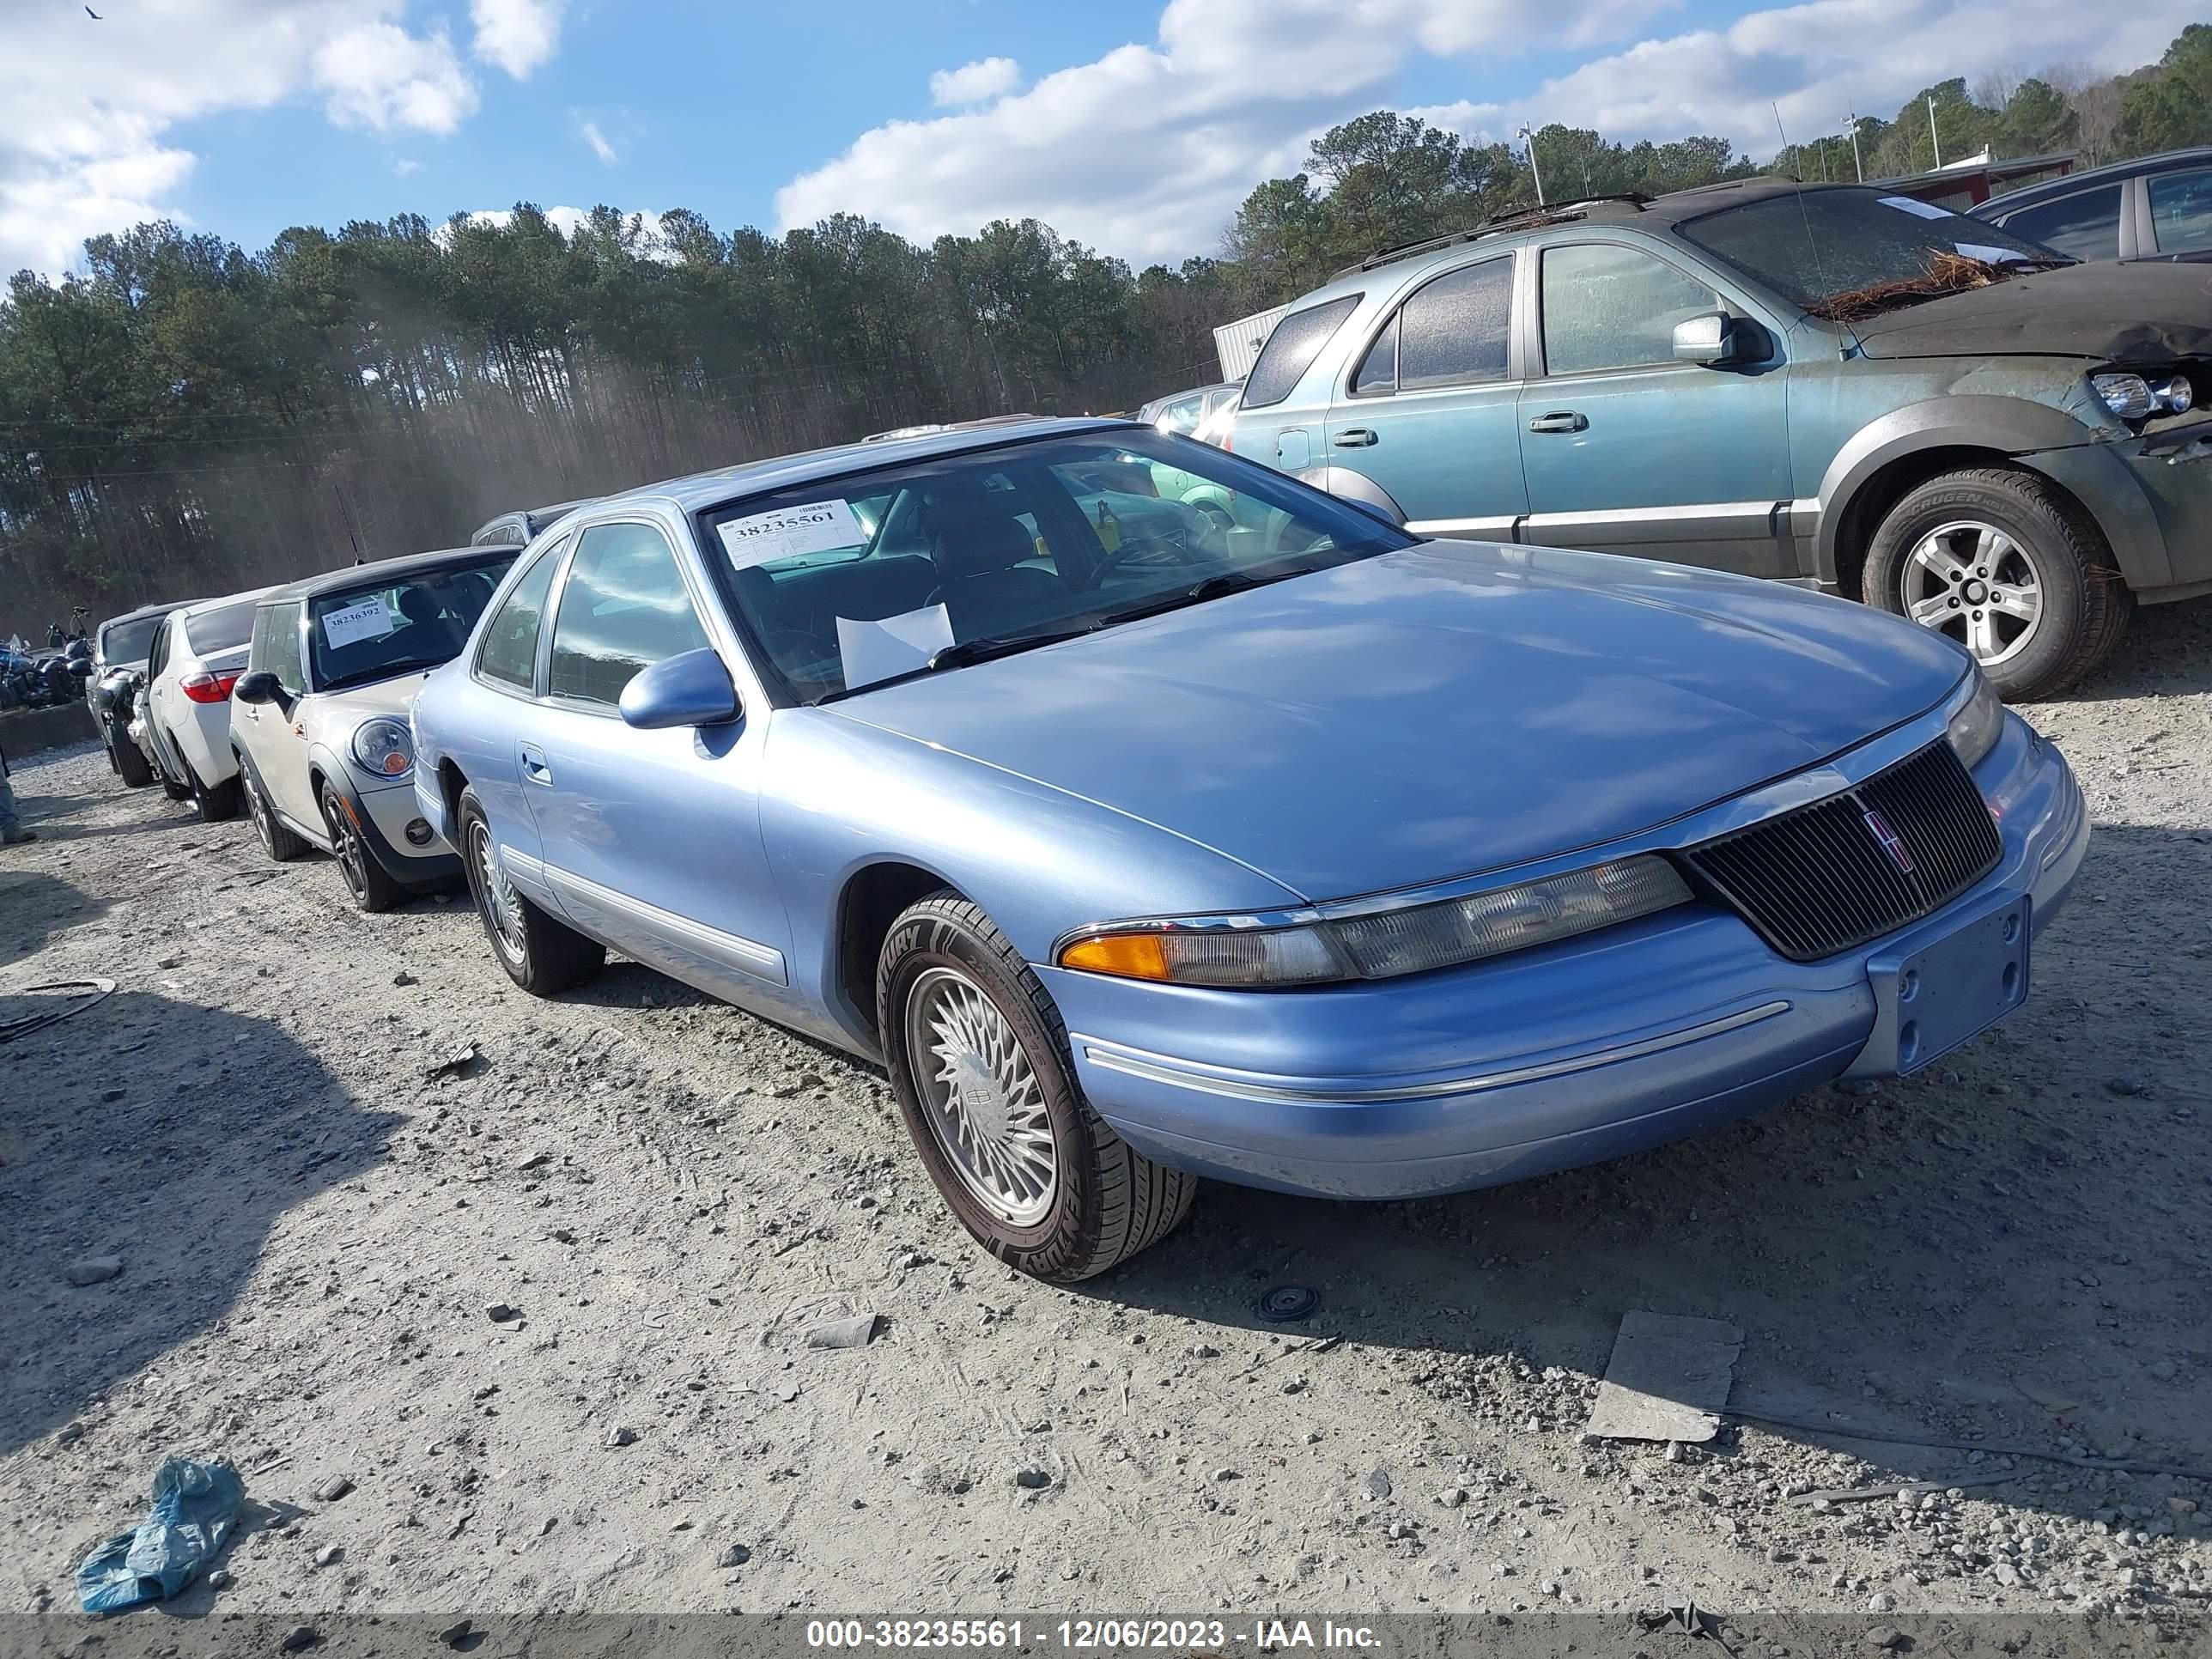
[1607,306]
[2181,210]
[624,608]
[1292,349]
[2086,224]
[509,652]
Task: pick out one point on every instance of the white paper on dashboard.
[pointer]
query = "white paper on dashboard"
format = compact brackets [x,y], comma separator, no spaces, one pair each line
[875,651]
[816,527]
[1924,209]
[365,619]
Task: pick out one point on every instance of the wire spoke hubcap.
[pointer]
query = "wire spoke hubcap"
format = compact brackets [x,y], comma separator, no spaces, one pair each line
[1975,583]
[502,905]
[981,1096]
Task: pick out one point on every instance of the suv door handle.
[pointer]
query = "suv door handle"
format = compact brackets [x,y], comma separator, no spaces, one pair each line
[1560,420]
[1354,437]
[534,769]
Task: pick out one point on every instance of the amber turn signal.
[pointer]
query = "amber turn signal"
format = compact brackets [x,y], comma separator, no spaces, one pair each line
[1132,955]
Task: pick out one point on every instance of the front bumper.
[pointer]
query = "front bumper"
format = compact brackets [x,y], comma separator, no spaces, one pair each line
[1539,1062]
[387,813]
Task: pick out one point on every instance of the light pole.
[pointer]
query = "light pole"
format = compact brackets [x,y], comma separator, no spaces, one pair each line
[1856,165]
[1526,133]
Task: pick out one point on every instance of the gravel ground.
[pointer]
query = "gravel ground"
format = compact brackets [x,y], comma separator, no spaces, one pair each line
[318,1219]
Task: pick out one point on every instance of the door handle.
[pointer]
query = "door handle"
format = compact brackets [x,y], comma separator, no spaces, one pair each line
[1354,437]
[534,769]
[1560,420]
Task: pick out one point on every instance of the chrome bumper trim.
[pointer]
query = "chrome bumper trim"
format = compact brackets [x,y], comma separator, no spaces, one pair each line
[1160,1068]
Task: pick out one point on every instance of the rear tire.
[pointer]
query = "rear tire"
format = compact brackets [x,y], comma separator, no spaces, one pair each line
[366,882]
[1967,552]
[978,1061]
[281,845]
[128,761]
[541,955]
[218,805]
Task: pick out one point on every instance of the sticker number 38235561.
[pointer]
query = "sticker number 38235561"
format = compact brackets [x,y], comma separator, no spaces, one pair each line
[787,531]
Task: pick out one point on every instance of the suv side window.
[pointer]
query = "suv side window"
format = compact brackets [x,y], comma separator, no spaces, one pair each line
[276,645]
[2181,209]
[1291,351]
[1608,307]
[2086,224]
[509,655]
[1451,331]
[624,608]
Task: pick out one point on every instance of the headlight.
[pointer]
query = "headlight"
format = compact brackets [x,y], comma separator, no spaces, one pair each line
[1409,939]
[2175,395]
[2127,396]
[1974,730]
[383,748]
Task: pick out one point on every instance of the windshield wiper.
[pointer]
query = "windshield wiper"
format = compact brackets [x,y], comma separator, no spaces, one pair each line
[1210,587]
[961,653]
[382,672]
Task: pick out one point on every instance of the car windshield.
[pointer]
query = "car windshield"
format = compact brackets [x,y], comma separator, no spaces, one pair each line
[128,641]
[373,632]
[1823,248]
[851,582]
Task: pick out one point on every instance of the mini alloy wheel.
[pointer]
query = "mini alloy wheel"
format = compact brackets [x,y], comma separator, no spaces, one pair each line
[1972,581]
[981,1096]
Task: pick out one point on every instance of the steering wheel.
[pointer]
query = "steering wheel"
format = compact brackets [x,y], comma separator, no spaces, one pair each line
[1132,545]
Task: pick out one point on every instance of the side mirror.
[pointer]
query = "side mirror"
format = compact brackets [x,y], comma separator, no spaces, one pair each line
[690,690]
[1713,339]
[258,687]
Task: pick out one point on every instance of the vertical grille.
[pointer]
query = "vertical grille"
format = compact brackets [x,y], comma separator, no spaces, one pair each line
[1824,878]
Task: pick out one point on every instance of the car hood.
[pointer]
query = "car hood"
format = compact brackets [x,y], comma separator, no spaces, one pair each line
[1447,709]
[358,702]
[2113,311]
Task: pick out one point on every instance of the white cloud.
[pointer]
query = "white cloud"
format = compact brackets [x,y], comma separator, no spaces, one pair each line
[516,35]
[379,76]
[600,148]
[403,166]
[975,83]
[1820,62]
[1230,89]
[86,108]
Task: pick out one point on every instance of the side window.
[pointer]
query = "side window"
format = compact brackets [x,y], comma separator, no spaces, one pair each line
[278,648]
[2086,224]
[1452,330]
[1378,370]
[1608,307]
[1292,349]
[157,655]
[509,652]
[1180,416]
[2181,210]
[622,609]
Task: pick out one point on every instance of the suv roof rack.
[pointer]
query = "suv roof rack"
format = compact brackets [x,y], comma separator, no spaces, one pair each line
[1513,219]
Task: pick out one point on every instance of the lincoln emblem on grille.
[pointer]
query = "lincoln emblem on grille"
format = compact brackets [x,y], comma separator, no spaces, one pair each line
[1892,843]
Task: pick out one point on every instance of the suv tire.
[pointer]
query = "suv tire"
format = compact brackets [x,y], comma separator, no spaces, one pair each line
[1991,532]
[1070,1198]
[541,955]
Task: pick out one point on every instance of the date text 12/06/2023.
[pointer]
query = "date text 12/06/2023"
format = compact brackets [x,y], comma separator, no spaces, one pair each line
[1081,1635]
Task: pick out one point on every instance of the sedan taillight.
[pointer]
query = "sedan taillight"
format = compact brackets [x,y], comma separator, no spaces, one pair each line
[210,688]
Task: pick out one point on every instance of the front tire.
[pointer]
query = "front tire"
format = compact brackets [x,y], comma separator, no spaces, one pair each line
[978,1061]
[365,879]
[2008,568]
[541,955]
[281,845]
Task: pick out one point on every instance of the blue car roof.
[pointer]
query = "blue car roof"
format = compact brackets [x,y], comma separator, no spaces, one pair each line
[706,489]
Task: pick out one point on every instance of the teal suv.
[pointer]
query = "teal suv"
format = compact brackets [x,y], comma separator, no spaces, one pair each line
[1825,384]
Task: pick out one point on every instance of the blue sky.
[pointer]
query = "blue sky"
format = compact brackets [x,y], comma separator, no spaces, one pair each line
[1135,125]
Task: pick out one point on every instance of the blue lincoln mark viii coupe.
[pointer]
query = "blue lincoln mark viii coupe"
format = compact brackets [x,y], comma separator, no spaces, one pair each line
[1143,840]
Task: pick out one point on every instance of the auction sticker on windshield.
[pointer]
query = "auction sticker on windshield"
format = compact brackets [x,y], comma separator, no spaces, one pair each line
[365,619]
[1922,210]
[788,531]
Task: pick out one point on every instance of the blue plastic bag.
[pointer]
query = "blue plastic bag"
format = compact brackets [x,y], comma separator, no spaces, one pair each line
[194,1506]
